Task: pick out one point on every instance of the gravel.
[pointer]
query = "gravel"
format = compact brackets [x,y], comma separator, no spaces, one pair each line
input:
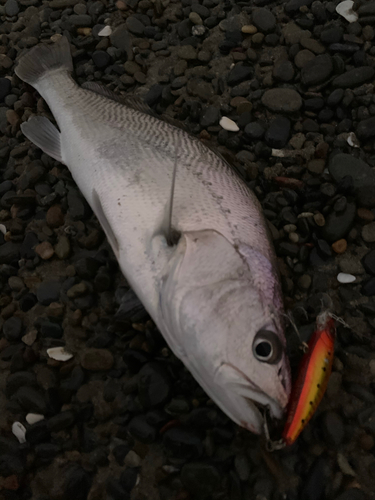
[123,418]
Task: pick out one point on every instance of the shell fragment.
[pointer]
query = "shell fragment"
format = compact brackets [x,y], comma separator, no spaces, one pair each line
[106,31]
[59,354]
[345,278]
[33,418]
[229,124]
[19,431]
[345,9]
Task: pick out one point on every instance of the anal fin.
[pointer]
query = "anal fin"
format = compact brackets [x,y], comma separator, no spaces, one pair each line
[40,131]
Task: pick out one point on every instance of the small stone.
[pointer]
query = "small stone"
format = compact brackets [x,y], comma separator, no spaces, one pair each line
[187,52]
[48,291]
[77,290]
[316,166]
[55,217]
[319,219]
[333,428]
[283,71]
[195,18]
[121,39]
[366,128]
[183,443]
[317,71]
[343,165]
[340,246]
[30,337]
[338,225]
[12,329]
[211,116]
[101,59]
[278,133]
[200,479]
[135,26]
[61,421]
[31,400]
[366,442]
[263,19]
[304,282]
[97,359]
[44,250]
[132,459]
[282,100]
[345,278]
[62,247]
[368,233]
[154,385]
[303,58]
[228,124]
[249,29]
[11,8]
[354,77]
[254,131]
[141,430]
[239,74]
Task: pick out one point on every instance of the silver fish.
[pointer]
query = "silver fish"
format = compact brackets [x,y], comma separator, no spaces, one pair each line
[215,293]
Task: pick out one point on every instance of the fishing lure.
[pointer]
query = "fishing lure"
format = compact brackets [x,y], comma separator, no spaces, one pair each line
[312,379]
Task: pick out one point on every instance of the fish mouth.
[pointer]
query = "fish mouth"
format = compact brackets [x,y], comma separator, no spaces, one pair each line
[248,402]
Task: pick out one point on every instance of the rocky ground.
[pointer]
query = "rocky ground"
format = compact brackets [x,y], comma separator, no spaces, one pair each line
[123,418]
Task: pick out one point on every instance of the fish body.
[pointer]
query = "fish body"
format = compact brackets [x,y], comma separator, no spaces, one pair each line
[312,378]
[215,294]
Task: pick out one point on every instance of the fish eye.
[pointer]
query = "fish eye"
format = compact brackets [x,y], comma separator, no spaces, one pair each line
[267,347]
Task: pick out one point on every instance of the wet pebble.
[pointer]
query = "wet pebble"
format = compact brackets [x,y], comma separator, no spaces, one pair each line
[183,443]
[12,329]
[97,359]
[201,479]
[154,385]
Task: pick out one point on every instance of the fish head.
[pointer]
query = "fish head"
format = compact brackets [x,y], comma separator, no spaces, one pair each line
[222,318]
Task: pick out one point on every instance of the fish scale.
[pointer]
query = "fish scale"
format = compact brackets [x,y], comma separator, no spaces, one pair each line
[215,294]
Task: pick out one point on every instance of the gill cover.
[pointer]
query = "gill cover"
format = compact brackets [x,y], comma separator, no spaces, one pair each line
[212,306]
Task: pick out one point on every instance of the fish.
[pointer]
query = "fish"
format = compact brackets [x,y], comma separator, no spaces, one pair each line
[188,233]
[312,378]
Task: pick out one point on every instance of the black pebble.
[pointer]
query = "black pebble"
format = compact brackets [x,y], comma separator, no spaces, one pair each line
[77,484]
[101,59]
[278,133]
[12,329]
[128,479]
[141,430]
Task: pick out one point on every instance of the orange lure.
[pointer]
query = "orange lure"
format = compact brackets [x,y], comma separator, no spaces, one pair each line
[314,371]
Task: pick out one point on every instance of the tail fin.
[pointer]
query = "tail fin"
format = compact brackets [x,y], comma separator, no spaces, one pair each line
[44,58]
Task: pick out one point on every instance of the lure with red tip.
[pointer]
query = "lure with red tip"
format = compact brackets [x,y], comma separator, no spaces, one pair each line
[314,371]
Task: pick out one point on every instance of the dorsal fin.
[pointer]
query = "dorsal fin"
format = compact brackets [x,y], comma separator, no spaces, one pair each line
[132,101]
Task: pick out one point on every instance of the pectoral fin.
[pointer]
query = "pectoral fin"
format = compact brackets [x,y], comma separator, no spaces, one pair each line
[45,135]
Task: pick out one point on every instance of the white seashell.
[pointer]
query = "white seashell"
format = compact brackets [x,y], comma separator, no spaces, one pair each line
[229,124]
[106,31]
[33,418]
[345,278]
[352,140]
[59,354]
[19,431]
[345,9]
[3,229]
